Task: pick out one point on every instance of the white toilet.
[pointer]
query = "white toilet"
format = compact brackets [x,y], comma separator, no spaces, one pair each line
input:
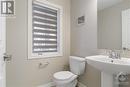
[69,78]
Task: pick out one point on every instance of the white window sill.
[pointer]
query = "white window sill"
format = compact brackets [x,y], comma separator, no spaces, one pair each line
[47,55]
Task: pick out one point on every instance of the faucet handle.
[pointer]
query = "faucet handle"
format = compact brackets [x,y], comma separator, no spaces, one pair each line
[118,56]
[110,53]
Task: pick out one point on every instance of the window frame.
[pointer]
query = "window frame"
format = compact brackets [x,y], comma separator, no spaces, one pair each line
[59,52]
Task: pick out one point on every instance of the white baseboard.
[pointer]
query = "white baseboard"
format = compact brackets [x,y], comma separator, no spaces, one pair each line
[50,84]
[81,84]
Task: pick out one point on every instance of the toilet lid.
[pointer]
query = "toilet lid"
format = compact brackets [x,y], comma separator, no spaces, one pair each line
[63,75]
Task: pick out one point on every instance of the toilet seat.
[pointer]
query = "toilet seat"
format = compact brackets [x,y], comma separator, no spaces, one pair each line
[63,75]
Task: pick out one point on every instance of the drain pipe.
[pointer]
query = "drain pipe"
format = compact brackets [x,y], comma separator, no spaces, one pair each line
[121,79]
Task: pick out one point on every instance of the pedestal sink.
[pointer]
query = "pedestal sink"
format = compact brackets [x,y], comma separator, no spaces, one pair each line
[109,67]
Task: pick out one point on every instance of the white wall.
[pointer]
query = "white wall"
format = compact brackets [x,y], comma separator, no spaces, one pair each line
[22,72]
[84,37]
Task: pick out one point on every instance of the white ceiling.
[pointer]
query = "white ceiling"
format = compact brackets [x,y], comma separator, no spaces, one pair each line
[102,4]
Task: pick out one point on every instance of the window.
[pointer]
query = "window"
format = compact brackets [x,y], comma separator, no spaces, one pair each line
[44,29]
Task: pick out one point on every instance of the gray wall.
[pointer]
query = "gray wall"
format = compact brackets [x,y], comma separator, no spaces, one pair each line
[110,26]
[22,72]
[84,37]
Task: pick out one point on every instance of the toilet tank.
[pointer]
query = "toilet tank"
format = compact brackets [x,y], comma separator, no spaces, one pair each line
[77,65]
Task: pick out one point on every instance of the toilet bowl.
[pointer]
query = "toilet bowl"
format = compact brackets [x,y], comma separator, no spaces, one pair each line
[65,79]
[69,78]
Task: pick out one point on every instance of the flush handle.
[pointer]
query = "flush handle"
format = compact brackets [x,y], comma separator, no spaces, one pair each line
[7,57]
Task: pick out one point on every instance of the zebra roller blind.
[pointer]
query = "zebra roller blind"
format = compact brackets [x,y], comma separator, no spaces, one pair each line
[45,28]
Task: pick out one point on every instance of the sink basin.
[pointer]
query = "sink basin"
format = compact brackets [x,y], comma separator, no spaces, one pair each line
[109,65]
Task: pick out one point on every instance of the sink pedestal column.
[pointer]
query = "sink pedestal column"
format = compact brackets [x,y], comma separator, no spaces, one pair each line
[106,80]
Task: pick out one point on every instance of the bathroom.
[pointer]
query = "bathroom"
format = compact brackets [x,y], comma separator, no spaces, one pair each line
[82,33]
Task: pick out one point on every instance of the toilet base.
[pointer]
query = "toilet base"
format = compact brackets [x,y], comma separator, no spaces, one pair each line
[71,84]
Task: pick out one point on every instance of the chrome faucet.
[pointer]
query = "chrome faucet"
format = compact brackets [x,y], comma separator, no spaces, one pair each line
[114,55]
